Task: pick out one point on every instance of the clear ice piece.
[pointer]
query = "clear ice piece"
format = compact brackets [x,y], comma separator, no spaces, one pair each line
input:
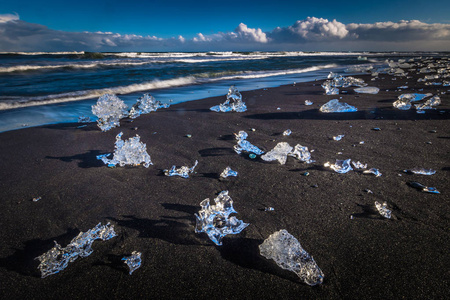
[133,261]
[368,90]
[359,165]
[287,252]
[36,199]
[429,104]
[402,104]
[269,208]
[414,96]
[228,172]
[422,171]
[130,152]
[329,88]
[58,258]
[338,137]
[307,102]
[423,188]
[383,210]
[145,105]
[215,220]
[287,132]
[334,106]
[341,166]
[233,103]
[373,171]
[109,110]
[244,145]
[302,153]
[183,171]
[279,152]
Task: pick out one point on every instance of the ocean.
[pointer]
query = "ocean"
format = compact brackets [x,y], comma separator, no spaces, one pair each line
[45,88]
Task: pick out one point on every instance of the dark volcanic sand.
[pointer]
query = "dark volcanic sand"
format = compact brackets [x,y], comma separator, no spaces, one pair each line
[367,257]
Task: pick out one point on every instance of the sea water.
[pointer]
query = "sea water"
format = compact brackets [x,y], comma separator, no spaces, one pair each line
[45,88]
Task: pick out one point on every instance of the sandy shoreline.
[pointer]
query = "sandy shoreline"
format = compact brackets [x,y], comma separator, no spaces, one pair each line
[364,257]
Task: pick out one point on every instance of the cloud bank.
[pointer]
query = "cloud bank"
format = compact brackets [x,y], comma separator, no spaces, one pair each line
[310,34]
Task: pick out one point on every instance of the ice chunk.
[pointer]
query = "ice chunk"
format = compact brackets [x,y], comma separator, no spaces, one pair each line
[429,104]
[133,261]
[329,88]
[109,110]
[244,145]
[287,252]
[422,171]
[269,209]
[183,171]
[338,137]
[301,153]
[341,166]
[368,90]
[423,188]
[287,132]
[36,199]
[130,152]
[373,171]
[279,153]
[58,258]
[334,106]
[233,103]
[307,102]
[414,96]
[145,105]
[402,104]
[84,119]
[228,172]
[383,210]
[215,220]
[359,165]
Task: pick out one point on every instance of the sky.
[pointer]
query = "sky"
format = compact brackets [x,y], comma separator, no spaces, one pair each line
[136,25]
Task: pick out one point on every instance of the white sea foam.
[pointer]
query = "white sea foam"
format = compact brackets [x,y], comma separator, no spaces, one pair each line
[24,68]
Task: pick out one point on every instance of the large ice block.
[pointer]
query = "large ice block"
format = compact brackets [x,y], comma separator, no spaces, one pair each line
[109,110]
[58,258]
[145,105]
[233,103]
[334,106]
[130,152]
[287,252]
[183,171]
[215,220]
[133,261]
[244,145]
[280,153]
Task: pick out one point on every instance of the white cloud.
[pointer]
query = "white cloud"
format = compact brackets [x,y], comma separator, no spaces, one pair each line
[9,17]
[250,34]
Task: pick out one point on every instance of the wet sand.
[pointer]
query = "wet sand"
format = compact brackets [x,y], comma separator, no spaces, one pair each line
[364,257]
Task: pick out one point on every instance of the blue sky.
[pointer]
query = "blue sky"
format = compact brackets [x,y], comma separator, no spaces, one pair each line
[217,21]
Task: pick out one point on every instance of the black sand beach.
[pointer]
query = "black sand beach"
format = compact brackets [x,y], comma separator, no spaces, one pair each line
[367,257]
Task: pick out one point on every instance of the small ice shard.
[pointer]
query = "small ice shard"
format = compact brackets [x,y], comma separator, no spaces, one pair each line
[373,171]
[84,119]
[383,210]
[287,132]
[338,137]
[341,166]
[228,172]
[422,171]
[368,90]
[269,209]
[376,129]
[368,191]
[402,104]
[36,199]
[429,104]
[183,171]
[145,105]
[307,102]
[133,261]
[414,96]
[359,165]
[287,252]
[244,145]
[233,103]
[100,157]
[301,153]
[403,87]
[334,106]
[329,88]
[423,188]
[58,258]
[280,153]
[215,220]
[129,152]
[109,110]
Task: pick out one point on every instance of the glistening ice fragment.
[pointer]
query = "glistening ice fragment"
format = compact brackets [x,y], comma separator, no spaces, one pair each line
[334,106]
[367,90]
[338,137]
[228,172]
[183,171]
[233,103]
[383,210]
[422,171]
[341,166]
[429,104]
[373,171]
[280,153]
[145,105]
[301,153]
[109,110]
[287,252]
[58,258]
[133,261]
[215,220]
[359,165]
[244,145]
[130,152]
[423,188]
